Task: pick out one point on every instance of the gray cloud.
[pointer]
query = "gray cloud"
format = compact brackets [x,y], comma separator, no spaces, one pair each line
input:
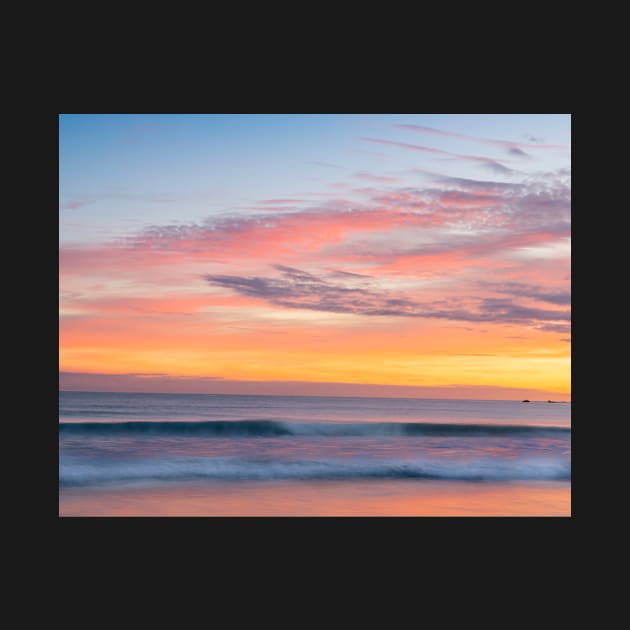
[134,382]
[303,290]
[476,184]
[77,381]
[349,274]
[507,310]
[517,151]
[557,328]
[534,139]
[517,289]
[497,167]
[78,202]
[297,274]
[484,161]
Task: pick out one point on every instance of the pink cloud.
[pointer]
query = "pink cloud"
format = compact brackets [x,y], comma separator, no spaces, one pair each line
[394,233]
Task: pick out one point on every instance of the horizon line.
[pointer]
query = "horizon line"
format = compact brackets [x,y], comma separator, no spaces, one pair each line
[165,383]
[85,391]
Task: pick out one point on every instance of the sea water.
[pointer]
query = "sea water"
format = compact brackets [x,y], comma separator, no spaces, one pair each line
[181,454]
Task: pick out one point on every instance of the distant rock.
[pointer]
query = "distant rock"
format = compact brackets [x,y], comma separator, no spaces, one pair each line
[525,400]
[551,401]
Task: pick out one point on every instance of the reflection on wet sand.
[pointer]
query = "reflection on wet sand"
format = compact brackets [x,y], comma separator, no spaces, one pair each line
[323,498]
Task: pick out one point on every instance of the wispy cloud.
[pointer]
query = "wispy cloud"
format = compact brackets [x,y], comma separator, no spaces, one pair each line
[136,197]
[470,184]
[275,202]
[298,289]
[484,161]
[376,273]
[534,139]
[416,232]
[507,144]
[99,382]
[349,274]
[371,177]
[78,202]
[556,328]
[134,382]
[518,152]
[553,296]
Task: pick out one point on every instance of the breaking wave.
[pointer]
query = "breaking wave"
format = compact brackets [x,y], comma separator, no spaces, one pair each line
[271,428]
[181,469]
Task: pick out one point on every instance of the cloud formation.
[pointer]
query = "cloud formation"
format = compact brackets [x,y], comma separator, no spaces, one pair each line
[276,202]
[474,184]
[375,178]
[135,382]
[77,202]
[561,297]
[493,165]
[99,382]
[507,144]
[295,288]
[413,231]
[371,273]
[518,152]
[557,328]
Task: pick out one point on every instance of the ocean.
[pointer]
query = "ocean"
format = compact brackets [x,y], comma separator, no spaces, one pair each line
[123,454]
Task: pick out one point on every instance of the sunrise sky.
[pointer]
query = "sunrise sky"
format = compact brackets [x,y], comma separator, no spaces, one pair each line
[373,255]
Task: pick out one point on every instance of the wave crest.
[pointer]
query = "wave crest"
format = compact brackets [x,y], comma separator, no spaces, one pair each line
[180,469]
[272,428]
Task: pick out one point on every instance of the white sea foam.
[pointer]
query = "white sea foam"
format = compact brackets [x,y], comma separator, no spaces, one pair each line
[177,469]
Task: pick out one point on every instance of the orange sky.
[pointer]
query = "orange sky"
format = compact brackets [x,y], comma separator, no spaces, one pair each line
[456,284]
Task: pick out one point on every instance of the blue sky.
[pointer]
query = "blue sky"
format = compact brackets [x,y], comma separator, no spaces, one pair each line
[123,172]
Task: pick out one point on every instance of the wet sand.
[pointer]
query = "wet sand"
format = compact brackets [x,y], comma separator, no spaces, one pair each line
[322,498]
